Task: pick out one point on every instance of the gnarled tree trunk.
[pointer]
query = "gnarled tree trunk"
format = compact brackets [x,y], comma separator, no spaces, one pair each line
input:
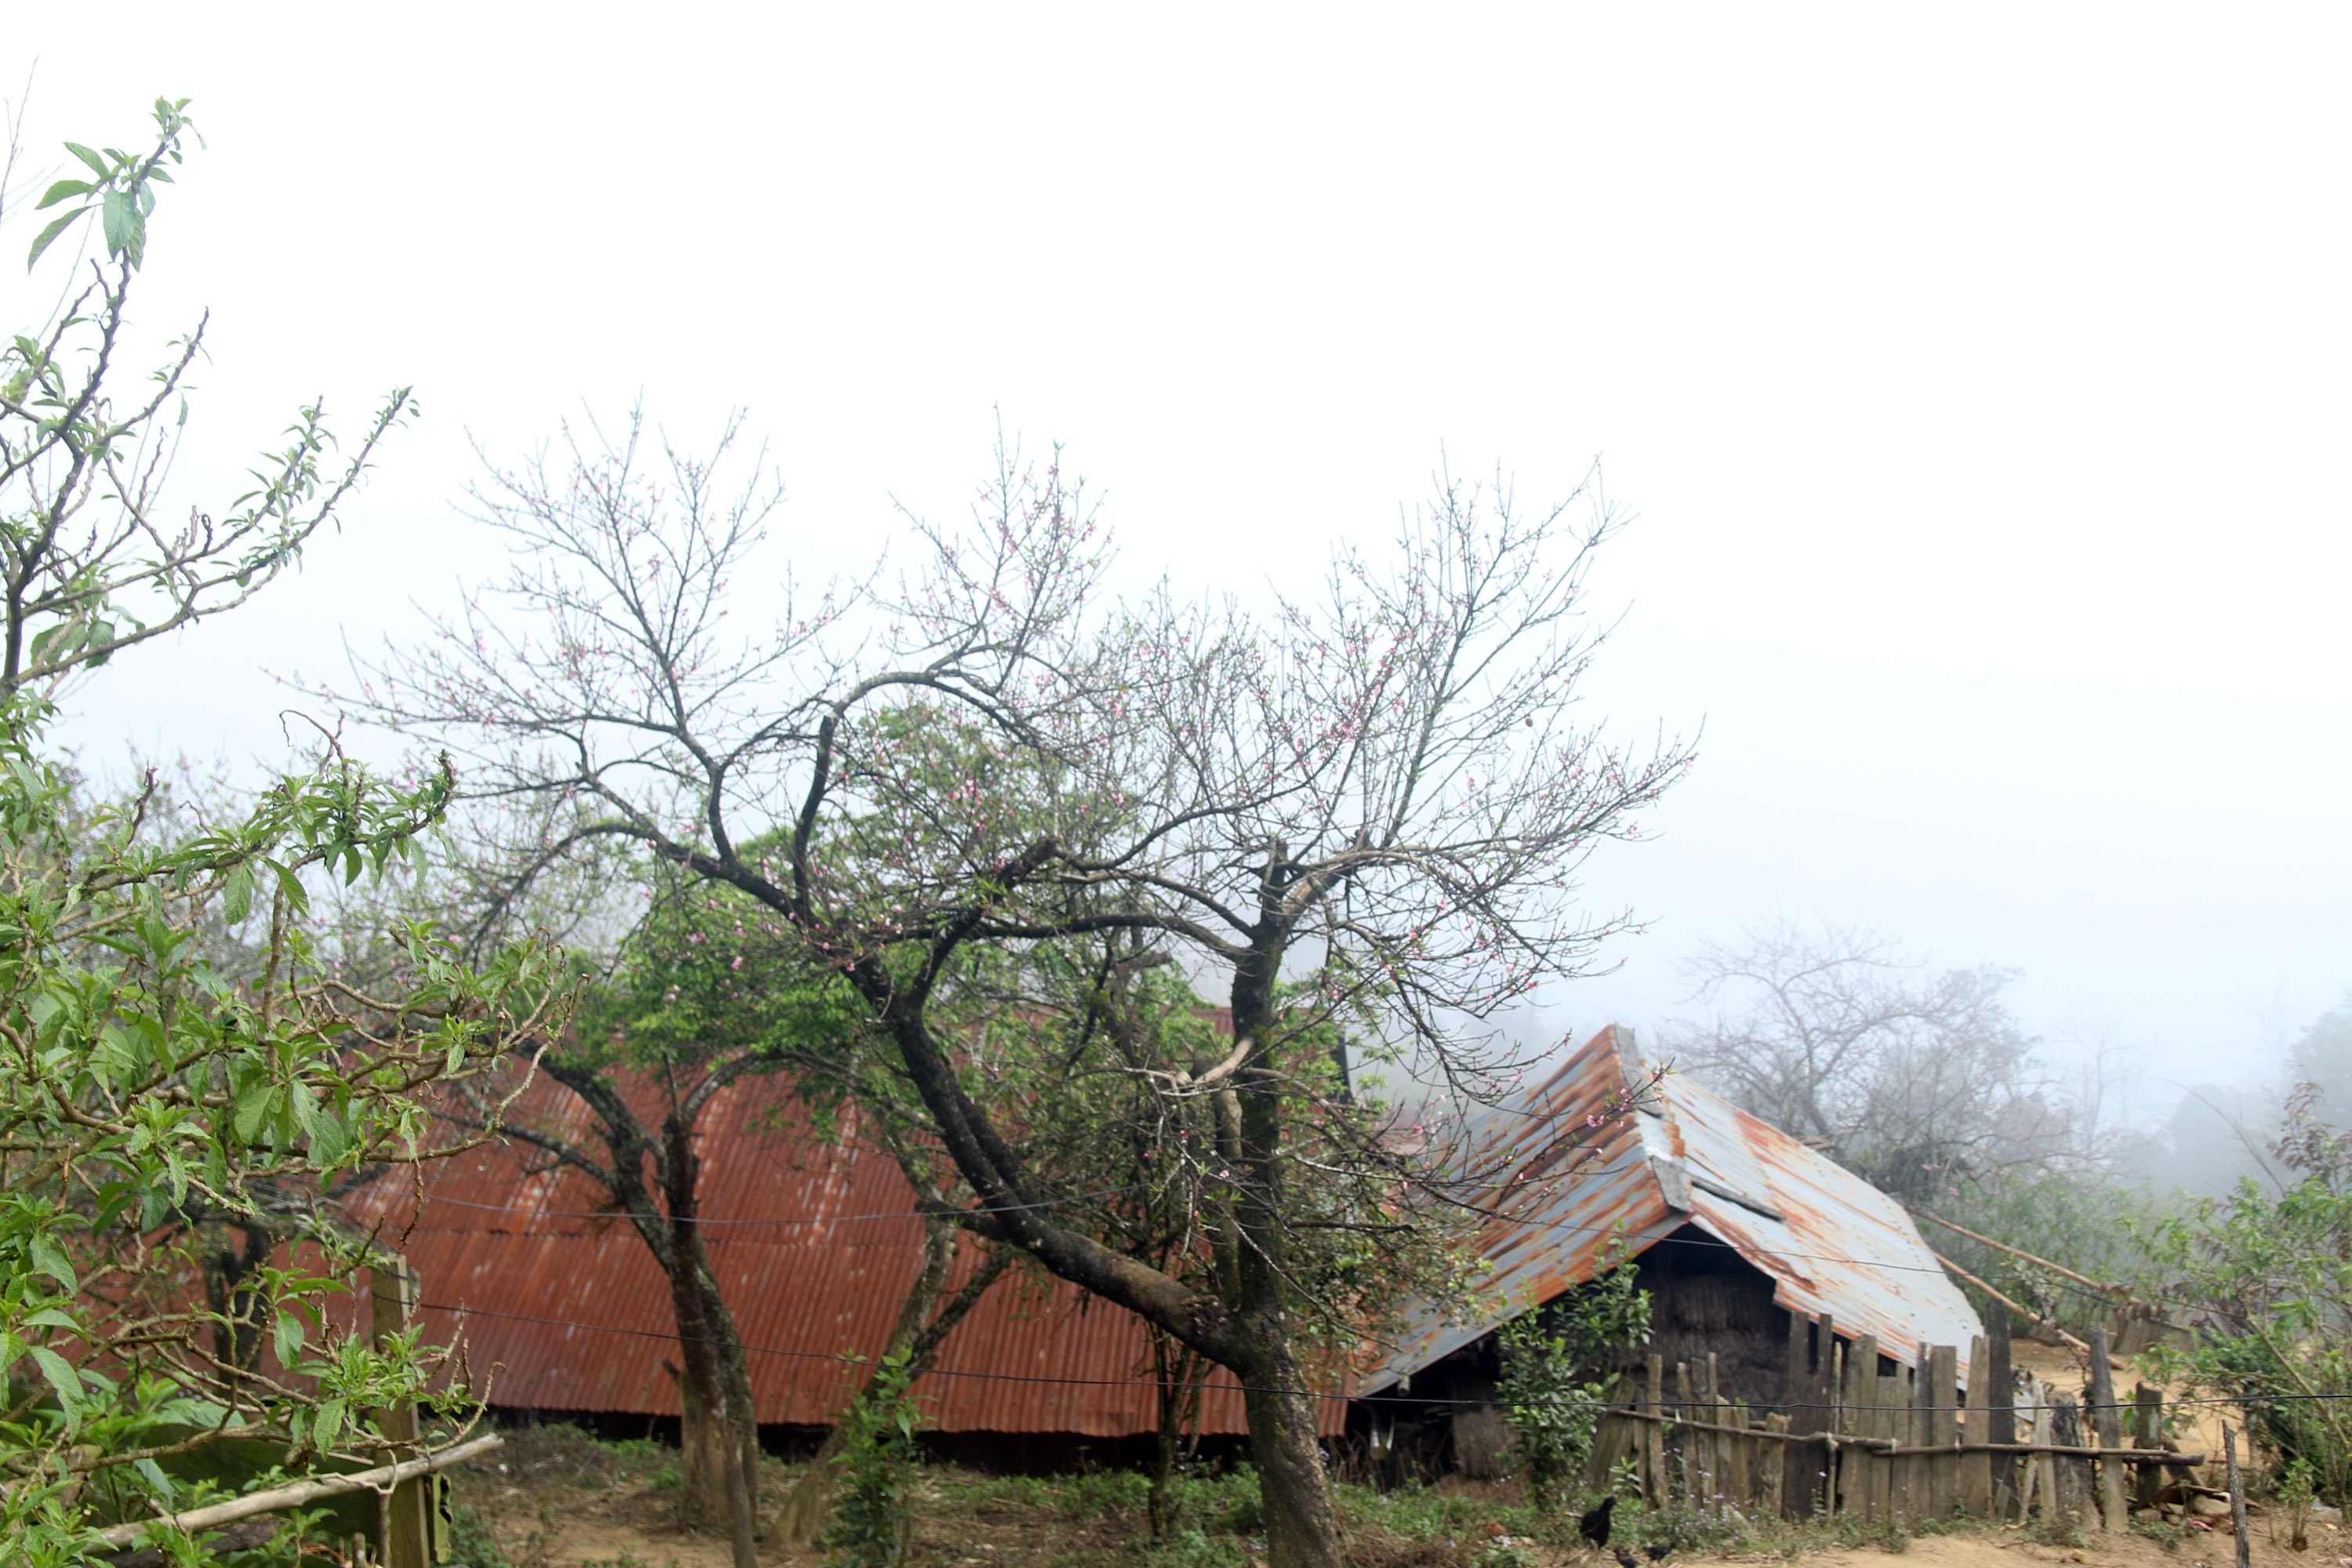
[708,1429]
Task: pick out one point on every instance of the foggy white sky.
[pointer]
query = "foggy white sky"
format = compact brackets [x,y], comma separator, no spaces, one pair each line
[1980,383]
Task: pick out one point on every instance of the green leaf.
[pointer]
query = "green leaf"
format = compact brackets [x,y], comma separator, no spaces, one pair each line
[96,164]
[289,887]
[237,895]
[63,1378]
[330,1140]
[49,1261]
[253,1108]
[41,242]
[119,217]
[288,1333]
[62,190]
[154,1476]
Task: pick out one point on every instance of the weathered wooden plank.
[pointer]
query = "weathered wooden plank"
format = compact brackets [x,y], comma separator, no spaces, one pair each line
[1859,1418]
[2001,1416]
[1654,1441]
[1742,1468]
[1718,1411]
[2107,1429]
[1772,1497]
[1810,1356]
[1886,1492]
[1693,1445]
[1976,1494]
[1943,1430]
[2074,1493]
[2148,1431]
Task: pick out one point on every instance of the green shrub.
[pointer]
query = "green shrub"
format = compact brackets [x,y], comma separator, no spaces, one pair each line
[470,1541]
[1551,1388]
[877,1472]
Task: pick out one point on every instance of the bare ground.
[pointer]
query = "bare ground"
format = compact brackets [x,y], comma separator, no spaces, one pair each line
[556,1498]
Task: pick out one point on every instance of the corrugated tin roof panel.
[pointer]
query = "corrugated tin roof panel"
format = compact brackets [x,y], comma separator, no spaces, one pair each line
[814,1243]
[1831,1242]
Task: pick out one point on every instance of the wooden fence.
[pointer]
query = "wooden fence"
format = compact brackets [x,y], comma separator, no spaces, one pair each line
[1893,1446]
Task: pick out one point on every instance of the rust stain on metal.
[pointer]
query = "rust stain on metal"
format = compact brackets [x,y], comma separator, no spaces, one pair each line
[815,1243]
[1829,1240]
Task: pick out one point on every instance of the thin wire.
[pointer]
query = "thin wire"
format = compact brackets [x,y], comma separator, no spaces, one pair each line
[848,1360]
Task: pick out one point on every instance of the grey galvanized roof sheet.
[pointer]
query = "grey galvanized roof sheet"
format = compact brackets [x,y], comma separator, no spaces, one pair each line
[1568,1177]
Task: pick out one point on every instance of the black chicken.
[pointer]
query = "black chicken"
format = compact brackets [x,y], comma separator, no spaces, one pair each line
[1594,1526]
[1657,1551]
[1625,1558]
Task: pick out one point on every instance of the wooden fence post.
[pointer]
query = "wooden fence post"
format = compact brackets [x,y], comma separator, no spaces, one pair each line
[1718,1411]
[1857,1469]
[1943,1430]
[1653,1442]
[2073,1493]
[1775,1498]
[1692,1444]
[1917,1470]
[406,1515]
[2147,1432]
[1811,1384]
[1743,1451]
[2106,1421]
[1893,1422]
[2237,1494]
[1976,1470]
[2000,1415]
[2034,1476]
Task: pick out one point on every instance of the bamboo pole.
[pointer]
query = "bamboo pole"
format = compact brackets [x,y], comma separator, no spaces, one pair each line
[2102,1287]
[2020,1309]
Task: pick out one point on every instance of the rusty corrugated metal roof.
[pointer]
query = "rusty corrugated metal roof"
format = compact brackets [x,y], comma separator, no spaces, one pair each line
[1830,1241]
[565,1304]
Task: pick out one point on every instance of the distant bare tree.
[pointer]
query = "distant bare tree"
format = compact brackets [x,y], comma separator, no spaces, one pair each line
[1912,1077]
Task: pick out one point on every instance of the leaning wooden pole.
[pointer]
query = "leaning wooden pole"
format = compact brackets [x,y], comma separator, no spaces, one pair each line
[278,1499]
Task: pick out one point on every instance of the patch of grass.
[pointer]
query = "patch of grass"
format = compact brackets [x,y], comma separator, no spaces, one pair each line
[470,1541]
[1435,1513]
[1192,1547]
